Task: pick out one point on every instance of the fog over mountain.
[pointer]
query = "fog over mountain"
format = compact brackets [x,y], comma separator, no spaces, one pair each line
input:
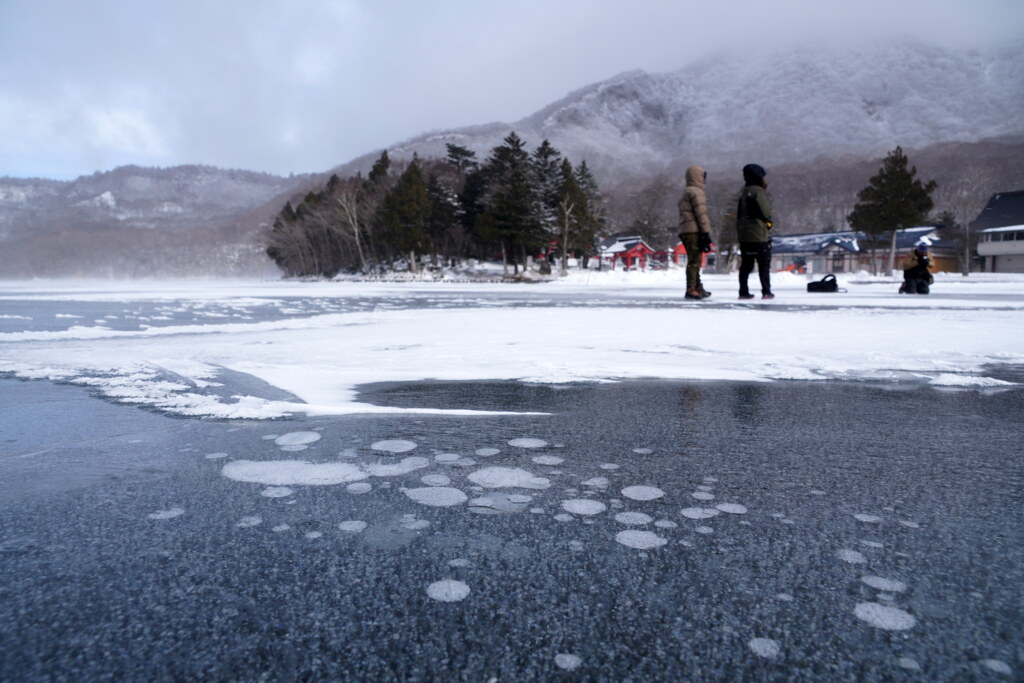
[811,115]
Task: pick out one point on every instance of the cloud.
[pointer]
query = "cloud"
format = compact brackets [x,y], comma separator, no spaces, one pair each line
[305,85]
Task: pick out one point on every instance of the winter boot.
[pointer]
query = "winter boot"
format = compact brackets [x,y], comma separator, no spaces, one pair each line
[693,293]
[704,294]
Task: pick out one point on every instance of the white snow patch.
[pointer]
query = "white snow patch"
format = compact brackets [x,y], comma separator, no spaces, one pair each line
[732,508]
[311,535]
[872,544]
[280,527]
[908,663]
[548,460]
[608,466]
[665,524]
[436,479]
[764,647]
[247,522]
[997,665]
[643,451]
[583,506]
[448,590]
[868,519]
[352,526]
[292,472]
[597,482]
[437,496]
[215,456]
[459,562]
[486,452]
[447,457]
[910,525]
[359,488]
[393,445]
[395,469]
[642,492]
[641,540]
[166,514]
[884,616]
[702,495]
[563,517]
[297,438]
[508,477]
[704,530]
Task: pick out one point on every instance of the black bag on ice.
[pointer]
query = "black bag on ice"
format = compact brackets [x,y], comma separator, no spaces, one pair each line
[825,284]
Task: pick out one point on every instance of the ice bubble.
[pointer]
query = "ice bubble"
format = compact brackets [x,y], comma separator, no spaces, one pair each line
[313,534]
[732,508]
[486,452]
[884,616]
[297,438]
[528,443]
[997,665]
[166,514]
[582,506]
[641,540]
[358,488]
[702,495]
[643,451]
[437,496]
[508,477]
[247,522]
[851,556]
[868,519]
[436,480]
[908,664]
[459,562]
[567,661]
[393,445]
[699,513]
[292,472]
[665,524]
[764,647]
[447,457]
[642,492]
[704,530]
[563,517]
[395,469]
[281,527]
[608,466]
[548,460]
[352,526]
[277,492]
[633,518]
[216,456]
[888,585]
[910,525]
[448,590]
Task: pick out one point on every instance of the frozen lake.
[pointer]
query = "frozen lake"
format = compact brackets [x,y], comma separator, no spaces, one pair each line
[467,502]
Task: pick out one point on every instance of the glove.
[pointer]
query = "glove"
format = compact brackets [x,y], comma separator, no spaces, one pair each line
[768,224]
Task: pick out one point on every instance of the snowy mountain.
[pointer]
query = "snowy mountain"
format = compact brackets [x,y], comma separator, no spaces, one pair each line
[788,107]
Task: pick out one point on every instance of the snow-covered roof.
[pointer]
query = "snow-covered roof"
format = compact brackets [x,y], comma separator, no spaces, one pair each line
[1008,228]
[618,245]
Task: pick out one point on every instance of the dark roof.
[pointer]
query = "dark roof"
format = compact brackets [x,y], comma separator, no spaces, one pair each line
[852,241]
[1003,209]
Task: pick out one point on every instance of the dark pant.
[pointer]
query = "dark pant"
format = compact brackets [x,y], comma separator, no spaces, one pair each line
[760,253]
[694,256]
[913,285]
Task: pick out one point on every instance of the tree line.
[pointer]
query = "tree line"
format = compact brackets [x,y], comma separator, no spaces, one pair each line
[513,205]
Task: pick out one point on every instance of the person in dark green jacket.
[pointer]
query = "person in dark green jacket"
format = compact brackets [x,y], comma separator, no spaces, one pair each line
[753,226]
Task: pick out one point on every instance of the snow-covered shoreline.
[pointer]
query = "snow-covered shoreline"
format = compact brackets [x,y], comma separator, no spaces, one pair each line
[588,327]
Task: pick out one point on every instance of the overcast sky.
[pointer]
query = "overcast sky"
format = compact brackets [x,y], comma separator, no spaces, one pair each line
[303,85]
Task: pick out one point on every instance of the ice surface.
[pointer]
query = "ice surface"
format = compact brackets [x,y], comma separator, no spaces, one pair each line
[885,617]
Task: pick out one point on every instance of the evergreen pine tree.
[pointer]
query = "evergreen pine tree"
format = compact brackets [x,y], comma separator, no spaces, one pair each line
[893,200]
[404,213]
[461,158]
[545,167]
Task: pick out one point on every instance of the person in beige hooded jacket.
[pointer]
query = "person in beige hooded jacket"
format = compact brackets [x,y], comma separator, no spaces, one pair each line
[693,220]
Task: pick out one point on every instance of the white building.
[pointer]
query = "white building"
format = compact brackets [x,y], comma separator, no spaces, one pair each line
[1000,229]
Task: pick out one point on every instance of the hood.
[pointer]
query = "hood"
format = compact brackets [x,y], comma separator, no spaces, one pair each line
[695,177]
[753,174]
